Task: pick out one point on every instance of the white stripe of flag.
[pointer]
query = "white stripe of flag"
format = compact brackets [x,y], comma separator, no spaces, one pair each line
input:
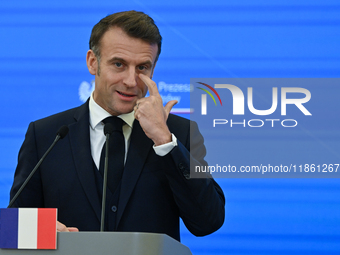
[28,228]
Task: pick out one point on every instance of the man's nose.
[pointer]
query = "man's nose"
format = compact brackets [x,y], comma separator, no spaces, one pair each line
[131,77]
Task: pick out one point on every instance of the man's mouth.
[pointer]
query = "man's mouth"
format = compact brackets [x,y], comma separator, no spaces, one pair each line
[125,95]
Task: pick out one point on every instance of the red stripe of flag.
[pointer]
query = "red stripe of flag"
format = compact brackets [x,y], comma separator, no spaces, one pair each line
[47,228]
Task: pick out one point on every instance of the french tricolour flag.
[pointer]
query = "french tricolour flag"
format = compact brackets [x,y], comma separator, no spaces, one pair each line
[28,228]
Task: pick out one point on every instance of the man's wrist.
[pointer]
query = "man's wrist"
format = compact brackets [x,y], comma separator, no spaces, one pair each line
[164,149]
[164,139]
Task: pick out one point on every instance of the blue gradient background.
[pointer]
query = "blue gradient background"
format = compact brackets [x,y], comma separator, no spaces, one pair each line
[43,48]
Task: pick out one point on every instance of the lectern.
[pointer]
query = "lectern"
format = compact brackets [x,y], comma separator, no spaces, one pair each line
[110,243]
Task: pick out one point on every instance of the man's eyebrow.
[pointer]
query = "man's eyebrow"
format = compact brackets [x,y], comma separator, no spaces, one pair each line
[148,62]
[115,59]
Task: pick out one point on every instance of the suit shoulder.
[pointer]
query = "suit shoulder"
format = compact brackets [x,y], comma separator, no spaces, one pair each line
[178,121]
[173,119]
[66,117]
[182,127]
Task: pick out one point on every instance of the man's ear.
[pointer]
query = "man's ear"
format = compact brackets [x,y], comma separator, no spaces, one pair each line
[91,62]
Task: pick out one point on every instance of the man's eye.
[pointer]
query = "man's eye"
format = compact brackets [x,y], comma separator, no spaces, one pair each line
[142,68]
[118,64]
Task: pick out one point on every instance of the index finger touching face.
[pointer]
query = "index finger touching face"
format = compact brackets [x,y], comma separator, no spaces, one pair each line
[153,90]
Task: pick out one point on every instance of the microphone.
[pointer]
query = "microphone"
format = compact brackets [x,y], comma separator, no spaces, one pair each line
[108,130]
[62,132]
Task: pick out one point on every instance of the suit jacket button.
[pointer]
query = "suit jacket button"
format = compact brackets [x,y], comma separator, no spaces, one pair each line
[181,166]
[186,175]
[114,208]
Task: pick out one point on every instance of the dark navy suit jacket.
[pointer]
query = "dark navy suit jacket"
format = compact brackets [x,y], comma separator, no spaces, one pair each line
[155,191]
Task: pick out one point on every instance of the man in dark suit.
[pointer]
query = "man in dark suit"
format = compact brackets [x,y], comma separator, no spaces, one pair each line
[155,188]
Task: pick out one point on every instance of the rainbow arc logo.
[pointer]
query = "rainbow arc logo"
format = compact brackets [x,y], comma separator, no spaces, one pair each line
[204,97]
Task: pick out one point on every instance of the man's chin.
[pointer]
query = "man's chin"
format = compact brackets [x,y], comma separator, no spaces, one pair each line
[126,110]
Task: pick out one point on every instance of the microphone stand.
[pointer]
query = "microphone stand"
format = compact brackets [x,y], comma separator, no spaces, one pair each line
[62,132]
[108,129]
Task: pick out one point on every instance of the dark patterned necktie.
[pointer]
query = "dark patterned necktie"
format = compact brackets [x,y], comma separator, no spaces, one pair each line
[116,154]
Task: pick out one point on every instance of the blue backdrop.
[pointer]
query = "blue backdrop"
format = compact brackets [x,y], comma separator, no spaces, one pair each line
[43,71]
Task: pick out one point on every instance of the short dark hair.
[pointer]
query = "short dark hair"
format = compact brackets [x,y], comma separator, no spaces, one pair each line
[133,23]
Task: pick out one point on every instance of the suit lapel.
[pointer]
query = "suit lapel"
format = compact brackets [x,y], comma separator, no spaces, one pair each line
[139,148]
[79,135]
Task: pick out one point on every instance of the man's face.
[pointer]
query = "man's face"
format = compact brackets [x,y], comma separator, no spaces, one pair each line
[117,86]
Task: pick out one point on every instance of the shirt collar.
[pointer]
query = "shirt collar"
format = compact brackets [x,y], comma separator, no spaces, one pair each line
[97,114]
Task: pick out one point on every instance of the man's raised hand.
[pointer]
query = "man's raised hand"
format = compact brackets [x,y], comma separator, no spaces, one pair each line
[151,114]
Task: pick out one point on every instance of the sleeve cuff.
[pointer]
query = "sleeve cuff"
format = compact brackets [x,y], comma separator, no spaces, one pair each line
[162,150]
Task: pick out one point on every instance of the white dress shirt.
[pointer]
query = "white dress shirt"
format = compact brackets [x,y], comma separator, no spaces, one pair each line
[97,137]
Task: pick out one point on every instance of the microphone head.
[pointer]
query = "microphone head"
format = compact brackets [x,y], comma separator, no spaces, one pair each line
[108,129]
[62,132]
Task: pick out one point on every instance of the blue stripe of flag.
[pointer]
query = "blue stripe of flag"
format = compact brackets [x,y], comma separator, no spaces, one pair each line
[9,228]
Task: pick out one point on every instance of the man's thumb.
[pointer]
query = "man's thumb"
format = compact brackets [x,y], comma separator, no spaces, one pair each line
[169,106]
